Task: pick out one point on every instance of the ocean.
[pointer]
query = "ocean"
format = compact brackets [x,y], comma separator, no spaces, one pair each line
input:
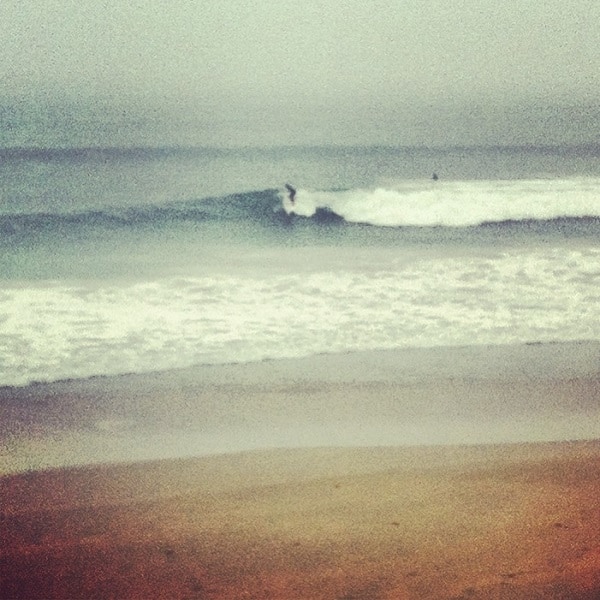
[140,260]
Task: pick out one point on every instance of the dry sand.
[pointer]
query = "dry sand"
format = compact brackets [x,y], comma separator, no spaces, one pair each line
[504,521]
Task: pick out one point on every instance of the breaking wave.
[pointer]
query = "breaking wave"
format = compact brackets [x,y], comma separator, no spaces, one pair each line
[455,204]
[412,204]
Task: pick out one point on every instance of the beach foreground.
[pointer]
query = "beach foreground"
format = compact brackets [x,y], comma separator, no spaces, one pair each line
[417,474]
[497,521]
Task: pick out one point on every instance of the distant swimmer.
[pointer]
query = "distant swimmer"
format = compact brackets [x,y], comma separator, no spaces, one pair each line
[292,192]
[435,177]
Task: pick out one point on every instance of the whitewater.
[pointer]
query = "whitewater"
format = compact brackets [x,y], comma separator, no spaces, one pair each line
[456,203]
[98,276]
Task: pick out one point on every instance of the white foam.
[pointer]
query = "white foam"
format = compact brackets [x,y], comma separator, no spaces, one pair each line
[456,204]
[59,331]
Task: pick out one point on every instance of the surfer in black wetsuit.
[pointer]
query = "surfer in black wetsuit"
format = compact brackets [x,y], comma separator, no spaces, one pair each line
[292,192]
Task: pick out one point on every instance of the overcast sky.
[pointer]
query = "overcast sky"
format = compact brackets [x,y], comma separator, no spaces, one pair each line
[315,71]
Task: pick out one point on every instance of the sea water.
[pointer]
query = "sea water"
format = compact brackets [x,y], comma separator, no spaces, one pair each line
[138,260]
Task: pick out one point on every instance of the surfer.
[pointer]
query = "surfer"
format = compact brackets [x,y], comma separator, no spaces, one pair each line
[292,192]
[435,177]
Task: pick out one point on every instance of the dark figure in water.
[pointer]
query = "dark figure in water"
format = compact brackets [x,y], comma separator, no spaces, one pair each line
[292,192]
[434,177]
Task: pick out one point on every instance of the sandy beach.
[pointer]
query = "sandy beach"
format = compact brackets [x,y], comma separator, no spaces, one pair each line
[515,521]
[457,473]
[299,300]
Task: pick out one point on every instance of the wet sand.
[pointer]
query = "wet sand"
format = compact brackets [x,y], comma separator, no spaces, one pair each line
[464,473]
[465,395]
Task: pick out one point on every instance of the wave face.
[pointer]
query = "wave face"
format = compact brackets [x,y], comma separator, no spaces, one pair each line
[253,206]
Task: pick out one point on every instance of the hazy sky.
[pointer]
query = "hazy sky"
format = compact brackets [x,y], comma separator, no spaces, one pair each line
[315,71]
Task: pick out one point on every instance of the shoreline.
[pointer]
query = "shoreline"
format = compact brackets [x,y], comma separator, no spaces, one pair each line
[573,356]
[429,396]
